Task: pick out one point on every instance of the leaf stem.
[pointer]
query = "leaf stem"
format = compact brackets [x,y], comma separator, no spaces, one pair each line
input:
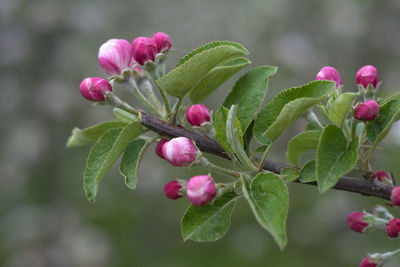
[115,101]
[175,110]
[204,162]
[132,87]
[264,157]
[313,119]
[153,77]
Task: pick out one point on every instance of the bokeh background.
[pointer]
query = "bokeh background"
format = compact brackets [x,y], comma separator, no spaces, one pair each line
[48,46]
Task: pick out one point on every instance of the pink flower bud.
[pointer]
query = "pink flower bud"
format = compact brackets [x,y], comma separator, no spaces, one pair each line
[393,227]
[367,111]
[395,197]
[330,74]
[356,222]
[367,262]
[197,114]
[162,41]
[115,55]
[180,151]
[159,147]
[171,190]
[384,177]
[367,75]
[201,189]
[144,49]
[93,89]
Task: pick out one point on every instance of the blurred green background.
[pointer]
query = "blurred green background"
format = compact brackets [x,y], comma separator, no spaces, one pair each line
[48,46]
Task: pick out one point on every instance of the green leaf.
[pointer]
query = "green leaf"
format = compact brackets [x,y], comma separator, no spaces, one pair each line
[301,143]
[307,174]
[103,154]
[290,113]
[341,107]
[289,174]
[130,161]
[261,149]
[378,128]
[89,135]
[209,46]
[249,93]
[335,157]
[208,222]
[179,81]
[395,96]
[268,198]
[217,76]
[287,107]
[220,119]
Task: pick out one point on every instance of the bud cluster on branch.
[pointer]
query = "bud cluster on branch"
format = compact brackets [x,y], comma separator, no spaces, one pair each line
[342,128]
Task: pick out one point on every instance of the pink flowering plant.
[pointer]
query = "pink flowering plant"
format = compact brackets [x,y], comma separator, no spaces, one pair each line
[342,128]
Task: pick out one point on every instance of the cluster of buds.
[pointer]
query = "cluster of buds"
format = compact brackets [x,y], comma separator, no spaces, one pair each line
[377,259]
[380,218]
[368,81]
[116,55]
[180,152]
[199,189]
[120,59]
[366,76]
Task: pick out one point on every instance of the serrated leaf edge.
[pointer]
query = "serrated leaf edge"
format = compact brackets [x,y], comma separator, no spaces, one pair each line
[210,46]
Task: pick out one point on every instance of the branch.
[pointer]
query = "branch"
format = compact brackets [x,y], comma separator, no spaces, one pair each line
[206,144]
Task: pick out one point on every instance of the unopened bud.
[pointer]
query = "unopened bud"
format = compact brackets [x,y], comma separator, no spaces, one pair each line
[367,75]
[356,221]
[395,197]
[393,227]
[144,49]
[162,41]
[159,147]
[93,89]
[330,74]
[171,190]
[384,177]
[366,111]
[115,55]
[201,189]
[198,114]
[180,151]
[367,262]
